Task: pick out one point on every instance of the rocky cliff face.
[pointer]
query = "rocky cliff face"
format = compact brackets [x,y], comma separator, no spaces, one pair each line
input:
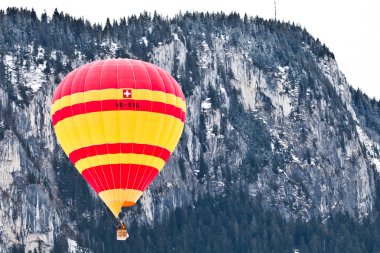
[269,112]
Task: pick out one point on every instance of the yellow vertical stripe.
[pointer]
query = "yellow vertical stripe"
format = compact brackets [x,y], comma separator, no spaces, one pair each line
[84,128]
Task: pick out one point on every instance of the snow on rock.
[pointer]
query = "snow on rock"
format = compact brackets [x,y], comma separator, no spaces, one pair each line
[175,36]
[206,104]
[147,202]
[144,40]
[34,77]
[370,148]
[110,48]
[9,62]
[31,76]
[338,80]
[205,56]
[74,248]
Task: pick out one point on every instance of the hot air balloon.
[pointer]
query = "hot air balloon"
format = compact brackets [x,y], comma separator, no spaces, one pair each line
[118,121]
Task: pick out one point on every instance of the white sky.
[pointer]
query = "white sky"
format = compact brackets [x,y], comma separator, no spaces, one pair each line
[351,29]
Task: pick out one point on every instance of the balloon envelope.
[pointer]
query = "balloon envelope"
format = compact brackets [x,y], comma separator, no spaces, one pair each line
[118,121]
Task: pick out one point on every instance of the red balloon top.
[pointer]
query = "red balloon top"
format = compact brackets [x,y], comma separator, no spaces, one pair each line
[117,74]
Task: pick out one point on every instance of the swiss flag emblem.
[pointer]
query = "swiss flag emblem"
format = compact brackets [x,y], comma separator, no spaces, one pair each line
[127,93]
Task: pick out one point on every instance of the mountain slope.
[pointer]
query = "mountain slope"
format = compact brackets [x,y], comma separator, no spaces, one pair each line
[269,115]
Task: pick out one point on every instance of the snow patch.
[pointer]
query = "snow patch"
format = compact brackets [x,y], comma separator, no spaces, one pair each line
[204,56]
[32,77]
[206,104]
[74,248]
[79,55]
[147,202]
[72,245]
[295,159]
[112,47]
[144,40]
[41,53]
[175,36]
